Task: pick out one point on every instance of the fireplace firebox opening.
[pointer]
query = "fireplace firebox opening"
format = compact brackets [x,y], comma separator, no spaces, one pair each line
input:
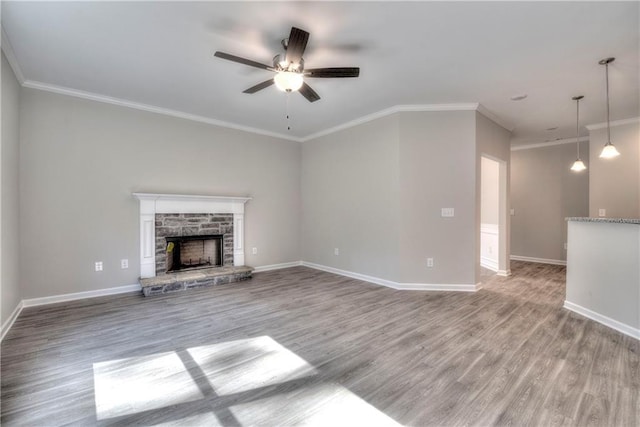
[193,252]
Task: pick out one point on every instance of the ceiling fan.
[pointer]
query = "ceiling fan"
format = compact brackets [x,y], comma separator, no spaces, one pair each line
[289,68]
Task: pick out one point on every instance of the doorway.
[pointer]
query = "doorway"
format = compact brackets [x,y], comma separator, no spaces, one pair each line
[494,254]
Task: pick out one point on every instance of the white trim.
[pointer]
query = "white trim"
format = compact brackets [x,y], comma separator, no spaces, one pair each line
[9,322]
[607,321]
[392,110]
[489,263]
[32,302]
[538,260]
[487,228]
[473,106]
[494,118]
[549,144]
[443,287]
[395,285]
[150,108]
[11,57]
[614,123]
[503,273]
[264,268]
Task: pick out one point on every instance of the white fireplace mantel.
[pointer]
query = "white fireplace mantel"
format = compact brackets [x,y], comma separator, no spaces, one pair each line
[153,203]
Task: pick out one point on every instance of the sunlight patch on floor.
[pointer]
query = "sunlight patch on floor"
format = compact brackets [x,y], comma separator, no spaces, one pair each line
[318,405]
[243,365]
[205,419]
[132,385]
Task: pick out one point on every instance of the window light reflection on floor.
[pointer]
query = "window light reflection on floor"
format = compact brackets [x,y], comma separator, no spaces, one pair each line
[137,384]
[168,380]
[237,366]
[323,404]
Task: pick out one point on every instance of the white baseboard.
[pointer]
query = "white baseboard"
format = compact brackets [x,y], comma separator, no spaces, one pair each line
[395,285]
[607,321]
[263,268]
[9,322]
[538,260]
[503,273]
[488,263]
[32,302]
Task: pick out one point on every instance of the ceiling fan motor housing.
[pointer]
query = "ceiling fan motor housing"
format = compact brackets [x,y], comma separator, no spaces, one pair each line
[280,64]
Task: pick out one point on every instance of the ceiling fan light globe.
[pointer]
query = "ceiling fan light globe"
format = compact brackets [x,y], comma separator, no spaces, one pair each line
[288,81]
[609,151]
[578,166]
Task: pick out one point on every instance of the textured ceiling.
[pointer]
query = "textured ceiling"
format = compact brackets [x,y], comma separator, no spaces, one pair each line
[410,53]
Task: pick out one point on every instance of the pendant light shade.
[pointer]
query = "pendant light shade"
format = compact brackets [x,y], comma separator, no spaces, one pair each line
[578,165]
[609,151]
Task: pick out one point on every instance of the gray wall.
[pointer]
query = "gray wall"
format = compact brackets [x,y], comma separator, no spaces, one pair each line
[544,191]
[437,170]
[375,191]
[9,262]
[614,184]
[350,199]
[81,160]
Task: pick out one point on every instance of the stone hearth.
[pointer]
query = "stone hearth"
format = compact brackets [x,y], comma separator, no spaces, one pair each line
[184,280]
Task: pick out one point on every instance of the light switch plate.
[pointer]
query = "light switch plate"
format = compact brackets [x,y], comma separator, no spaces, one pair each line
[447,212]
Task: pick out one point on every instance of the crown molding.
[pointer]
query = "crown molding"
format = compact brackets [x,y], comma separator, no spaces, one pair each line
[549,144]
[614,123]
[11,57]
[470,106]
[494,118]
[150,108]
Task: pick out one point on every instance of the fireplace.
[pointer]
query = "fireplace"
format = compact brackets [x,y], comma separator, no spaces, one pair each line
[193,252]
[189,217]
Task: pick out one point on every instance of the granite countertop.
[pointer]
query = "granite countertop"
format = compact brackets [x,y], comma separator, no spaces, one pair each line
[606,220]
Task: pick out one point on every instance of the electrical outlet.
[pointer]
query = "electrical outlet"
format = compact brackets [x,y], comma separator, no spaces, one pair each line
[512,212]
[429,262]
[602,212]
[254,251]
[98,265]
[124,263]
[336,251]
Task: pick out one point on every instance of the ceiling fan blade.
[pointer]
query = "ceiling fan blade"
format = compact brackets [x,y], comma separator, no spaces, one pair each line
[259,86]
[308,93]
[297,44]
[334,72]
[244,61]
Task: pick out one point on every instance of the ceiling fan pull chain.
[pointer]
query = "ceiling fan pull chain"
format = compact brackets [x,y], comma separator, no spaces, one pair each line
[287,108]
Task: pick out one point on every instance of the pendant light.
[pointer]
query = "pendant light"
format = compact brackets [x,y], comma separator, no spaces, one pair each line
[609,151]
[578,165]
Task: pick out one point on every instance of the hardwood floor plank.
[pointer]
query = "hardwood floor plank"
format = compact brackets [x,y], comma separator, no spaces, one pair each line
[300,346]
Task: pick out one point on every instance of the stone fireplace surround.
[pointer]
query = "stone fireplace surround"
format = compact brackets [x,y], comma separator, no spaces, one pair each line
[185,206]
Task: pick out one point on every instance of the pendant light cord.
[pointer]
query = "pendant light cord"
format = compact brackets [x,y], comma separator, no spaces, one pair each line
[606,68]
[578,126]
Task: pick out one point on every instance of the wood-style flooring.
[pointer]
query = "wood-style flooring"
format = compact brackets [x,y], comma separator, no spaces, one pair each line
[301,346]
